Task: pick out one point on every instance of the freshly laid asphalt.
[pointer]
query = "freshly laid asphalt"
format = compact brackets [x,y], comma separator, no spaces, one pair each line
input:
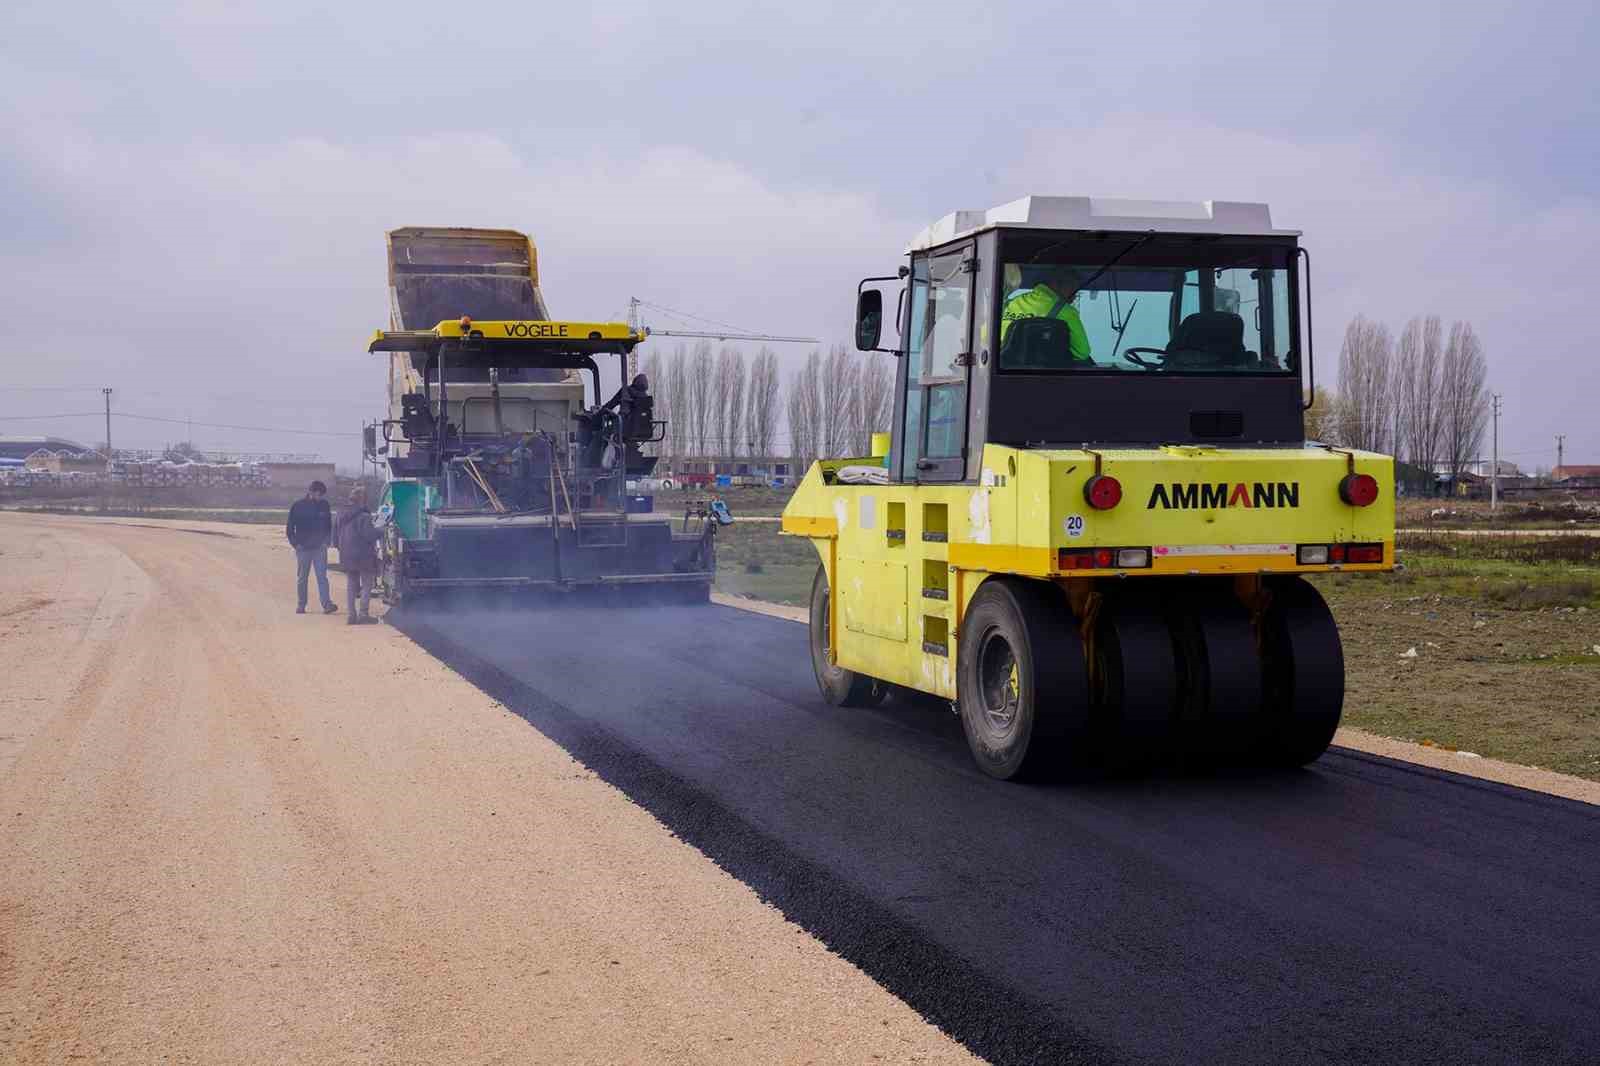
[1360,910]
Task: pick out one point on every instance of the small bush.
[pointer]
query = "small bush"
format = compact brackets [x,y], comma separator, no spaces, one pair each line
[1527,596]
[754,567]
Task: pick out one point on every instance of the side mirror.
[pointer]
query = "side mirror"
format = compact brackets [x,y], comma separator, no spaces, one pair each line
[369,440]
[869,319]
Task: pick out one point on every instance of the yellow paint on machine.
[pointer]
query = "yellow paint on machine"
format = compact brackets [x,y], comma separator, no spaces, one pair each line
[905,560]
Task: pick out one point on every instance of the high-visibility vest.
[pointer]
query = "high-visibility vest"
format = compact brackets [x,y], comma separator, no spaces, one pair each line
[1042,301]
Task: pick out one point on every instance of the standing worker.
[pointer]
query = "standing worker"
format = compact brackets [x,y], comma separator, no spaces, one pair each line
[309,530]
[358,553]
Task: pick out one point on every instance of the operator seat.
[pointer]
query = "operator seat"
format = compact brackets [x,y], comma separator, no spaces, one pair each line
[1210,338]
[1039,344]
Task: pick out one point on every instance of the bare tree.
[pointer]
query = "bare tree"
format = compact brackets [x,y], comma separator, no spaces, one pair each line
[804,409]
[728,402]
[1365,413]
[677,381]
[1464,392]
[762,412]
[839,402]
[1322,416]
[876,404]
[701,371]
[1418,386]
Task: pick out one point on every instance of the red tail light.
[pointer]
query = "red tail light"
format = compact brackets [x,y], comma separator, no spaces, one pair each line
[1359,490]
[1365,553]
[1102,492]
[1103,559]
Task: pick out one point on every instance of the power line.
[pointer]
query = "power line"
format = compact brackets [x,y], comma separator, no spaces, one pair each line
[247,429]
[183,422]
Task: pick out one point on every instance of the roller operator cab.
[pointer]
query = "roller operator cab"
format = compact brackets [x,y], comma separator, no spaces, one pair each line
[1092,527]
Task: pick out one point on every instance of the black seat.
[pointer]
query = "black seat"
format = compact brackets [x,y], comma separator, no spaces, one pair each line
[1038,344]
[1211,337]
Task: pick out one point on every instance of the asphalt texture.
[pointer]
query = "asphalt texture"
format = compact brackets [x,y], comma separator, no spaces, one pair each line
[1360,910]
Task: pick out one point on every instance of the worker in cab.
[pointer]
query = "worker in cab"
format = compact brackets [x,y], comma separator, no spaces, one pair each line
[1050,298]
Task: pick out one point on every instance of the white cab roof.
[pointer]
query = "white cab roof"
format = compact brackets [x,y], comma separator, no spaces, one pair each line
[1097,213]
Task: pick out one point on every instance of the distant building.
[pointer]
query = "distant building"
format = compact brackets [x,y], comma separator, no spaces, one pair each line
[1562,473]
[704,469]
[1481,468]
[43,461]
[23,446]
[299,475]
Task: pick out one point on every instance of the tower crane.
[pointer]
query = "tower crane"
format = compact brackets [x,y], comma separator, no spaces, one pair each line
[726,333]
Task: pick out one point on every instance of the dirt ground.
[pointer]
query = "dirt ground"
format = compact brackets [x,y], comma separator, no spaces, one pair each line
[229,833]
[1495,655]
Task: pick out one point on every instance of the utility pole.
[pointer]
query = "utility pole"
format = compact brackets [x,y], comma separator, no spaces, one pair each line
[107,394]
[1494,477]
[1561,450]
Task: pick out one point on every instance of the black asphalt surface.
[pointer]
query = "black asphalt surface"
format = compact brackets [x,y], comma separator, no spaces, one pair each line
[1361,910]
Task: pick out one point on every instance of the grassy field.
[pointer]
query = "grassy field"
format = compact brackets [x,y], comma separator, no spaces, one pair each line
[1491,646]
[1476,514]
[753,560]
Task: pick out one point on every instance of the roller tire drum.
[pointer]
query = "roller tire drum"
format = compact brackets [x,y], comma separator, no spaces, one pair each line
[1024,695]
[1222,719]
[1303,674]
[839,687]
[1140,683]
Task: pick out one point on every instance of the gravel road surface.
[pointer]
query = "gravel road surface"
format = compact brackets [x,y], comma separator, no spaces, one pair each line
[231,834]
[1362,910]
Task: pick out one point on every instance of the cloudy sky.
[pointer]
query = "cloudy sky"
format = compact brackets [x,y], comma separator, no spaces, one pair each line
[194,198]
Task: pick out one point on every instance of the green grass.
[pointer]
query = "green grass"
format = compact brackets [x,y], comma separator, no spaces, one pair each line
[1505,662]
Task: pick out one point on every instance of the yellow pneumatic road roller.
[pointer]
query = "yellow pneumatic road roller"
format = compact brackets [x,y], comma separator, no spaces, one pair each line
[1098,507]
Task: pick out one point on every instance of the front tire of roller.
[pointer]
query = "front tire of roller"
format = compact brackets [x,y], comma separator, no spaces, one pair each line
[1024,695]
[1302,673]
[839,687]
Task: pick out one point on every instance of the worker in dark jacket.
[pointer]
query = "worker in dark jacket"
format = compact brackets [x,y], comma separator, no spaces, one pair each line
[310,529]
[358,554]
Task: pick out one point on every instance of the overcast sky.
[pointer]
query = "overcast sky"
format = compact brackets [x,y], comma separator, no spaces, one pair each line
[194,198]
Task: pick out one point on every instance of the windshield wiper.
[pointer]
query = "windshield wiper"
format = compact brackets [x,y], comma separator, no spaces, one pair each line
[1115,260]
[1127,320]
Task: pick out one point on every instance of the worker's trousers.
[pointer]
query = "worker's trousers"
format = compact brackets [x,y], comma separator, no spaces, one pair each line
[307,560]
[358,584]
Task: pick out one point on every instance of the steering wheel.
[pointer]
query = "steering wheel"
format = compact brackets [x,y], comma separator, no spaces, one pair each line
[1130,356]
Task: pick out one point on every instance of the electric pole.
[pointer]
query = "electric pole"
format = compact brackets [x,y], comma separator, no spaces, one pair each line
[107,394]
[1561,449]
[1494,477]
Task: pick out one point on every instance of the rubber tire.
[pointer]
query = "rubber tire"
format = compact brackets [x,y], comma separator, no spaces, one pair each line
[1141,686]
[1302,672]
[1050,732]
[839,687]
[1222,718]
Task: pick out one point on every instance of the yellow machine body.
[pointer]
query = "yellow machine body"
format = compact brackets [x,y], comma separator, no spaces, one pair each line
[903,561]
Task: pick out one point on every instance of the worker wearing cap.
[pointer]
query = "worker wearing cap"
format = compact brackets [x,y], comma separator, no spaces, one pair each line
[1051,298]
[358,540]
